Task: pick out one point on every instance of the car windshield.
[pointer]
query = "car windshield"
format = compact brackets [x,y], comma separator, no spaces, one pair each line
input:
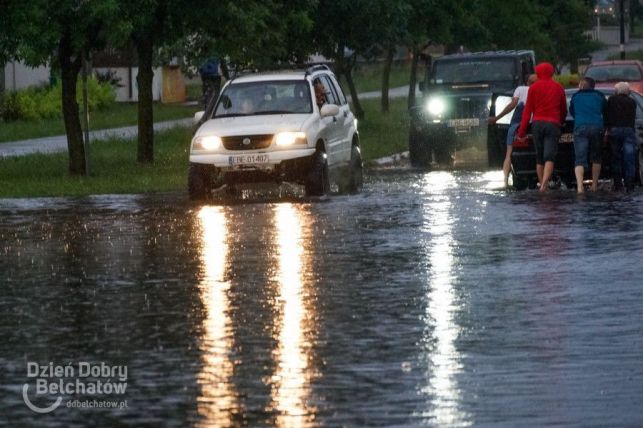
[265,97]
[474,70]
[614,73]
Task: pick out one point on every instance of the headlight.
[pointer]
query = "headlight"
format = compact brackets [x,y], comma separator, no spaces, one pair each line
[290,138]
[436,106]
[209,142]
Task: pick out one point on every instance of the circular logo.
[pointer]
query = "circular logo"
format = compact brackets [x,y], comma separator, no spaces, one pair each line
[246,141]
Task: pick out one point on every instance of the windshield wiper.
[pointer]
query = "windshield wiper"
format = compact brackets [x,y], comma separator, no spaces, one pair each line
[273,112]
[232,115]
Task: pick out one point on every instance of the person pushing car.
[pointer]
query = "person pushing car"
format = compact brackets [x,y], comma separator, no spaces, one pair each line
[547,103]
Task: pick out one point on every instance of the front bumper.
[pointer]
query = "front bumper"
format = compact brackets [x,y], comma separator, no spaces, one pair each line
[224,161]
[282,165]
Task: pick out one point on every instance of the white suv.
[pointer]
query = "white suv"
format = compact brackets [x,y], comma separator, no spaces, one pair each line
[278,127]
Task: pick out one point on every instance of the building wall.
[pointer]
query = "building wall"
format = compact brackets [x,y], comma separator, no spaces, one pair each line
[123,93]
[19,76]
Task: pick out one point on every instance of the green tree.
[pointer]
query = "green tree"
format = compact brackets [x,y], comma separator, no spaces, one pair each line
[151,24]
[61,33]
[429,22]
[565,23]
[345,30]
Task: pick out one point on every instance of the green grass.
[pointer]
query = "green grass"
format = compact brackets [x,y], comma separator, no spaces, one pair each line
[115,170]
[368,77]
[384,134]
[121,114]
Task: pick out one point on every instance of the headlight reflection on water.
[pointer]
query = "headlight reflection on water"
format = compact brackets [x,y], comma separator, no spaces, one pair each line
[441,330]
[291,382]
[218,398]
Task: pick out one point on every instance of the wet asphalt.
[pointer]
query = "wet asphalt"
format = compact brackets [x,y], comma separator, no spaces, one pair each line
[432,298]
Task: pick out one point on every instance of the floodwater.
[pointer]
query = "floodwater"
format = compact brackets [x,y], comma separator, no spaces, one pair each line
[430,299]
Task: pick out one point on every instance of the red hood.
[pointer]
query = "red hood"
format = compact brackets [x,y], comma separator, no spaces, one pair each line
[544,70]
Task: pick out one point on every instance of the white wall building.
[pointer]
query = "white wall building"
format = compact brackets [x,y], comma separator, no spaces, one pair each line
[16,75]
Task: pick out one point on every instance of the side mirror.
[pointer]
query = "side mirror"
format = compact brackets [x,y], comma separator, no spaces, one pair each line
[329,110]
[198,116]
[421,85]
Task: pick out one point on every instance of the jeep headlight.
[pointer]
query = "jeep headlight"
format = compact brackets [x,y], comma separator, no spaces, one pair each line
[290,138]
[436,106]
[208,142]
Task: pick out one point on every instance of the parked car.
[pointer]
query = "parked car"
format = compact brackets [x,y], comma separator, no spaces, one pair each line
[523,157]
[269,128]
[607,73]
[449,123]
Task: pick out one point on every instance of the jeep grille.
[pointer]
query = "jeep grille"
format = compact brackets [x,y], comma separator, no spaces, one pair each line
[252,142]
[470,107]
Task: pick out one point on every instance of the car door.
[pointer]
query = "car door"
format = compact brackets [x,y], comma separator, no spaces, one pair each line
[497,133]
[346,122]
[639,131]
[333,124]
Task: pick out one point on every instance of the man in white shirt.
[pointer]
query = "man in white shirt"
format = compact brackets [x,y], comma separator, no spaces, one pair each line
[517,104]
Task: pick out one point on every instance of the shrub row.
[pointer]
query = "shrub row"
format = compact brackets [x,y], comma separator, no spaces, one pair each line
[45,102]
[568,80]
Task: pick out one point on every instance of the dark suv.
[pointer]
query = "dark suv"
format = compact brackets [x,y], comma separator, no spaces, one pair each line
[449,123]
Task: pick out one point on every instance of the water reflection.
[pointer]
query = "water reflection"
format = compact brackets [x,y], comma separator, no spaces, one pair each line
[443,356]
[291,387]
[218,399]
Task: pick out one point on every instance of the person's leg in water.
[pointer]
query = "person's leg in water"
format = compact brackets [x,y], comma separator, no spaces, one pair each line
[506,165]
[550,144]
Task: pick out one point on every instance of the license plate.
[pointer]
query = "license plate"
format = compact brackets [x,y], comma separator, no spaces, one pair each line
[567,138]
[464,123]
[248,159]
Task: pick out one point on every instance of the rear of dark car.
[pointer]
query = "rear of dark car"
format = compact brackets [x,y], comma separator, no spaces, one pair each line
[523,157]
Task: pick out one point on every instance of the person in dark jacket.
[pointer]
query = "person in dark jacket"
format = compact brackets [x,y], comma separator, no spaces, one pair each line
[546,101]
[587,107]
[620,118]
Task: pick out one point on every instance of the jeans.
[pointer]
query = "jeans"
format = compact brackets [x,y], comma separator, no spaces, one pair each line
[624,154]
[511,133]
[545,135]
[587,141]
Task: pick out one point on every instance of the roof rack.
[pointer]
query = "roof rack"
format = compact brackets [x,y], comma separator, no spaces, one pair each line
[317,67]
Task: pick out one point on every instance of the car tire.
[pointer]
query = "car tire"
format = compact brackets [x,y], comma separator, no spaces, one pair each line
[353,183]
[418,157]
[519,182]
[442,157]
[317,182]
[200,179]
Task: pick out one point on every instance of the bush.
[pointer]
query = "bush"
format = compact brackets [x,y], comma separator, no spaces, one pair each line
[568,80]
[45,102]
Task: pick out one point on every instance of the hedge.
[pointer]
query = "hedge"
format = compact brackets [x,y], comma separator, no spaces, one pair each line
[45,102]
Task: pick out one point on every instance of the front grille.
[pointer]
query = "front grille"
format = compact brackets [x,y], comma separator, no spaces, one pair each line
[470,107]
[252,142]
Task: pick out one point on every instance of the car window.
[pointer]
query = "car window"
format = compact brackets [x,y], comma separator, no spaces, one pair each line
[331,94]
[616,72]
[639,104]
[265,97]
[501,102]
[340,92]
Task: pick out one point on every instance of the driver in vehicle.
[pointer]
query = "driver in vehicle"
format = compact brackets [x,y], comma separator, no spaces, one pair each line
[320,93]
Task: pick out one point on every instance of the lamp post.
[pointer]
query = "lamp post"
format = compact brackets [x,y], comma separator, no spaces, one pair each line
[622,24]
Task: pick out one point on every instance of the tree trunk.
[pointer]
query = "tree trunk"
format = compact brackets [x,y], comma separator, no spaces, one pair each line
[145,152]
[70,64]
[386,77]
[359,112]
[413,77]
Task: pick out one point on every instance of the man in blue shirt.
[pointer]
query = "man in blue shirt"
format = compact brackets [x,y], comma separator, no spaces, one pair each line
[587,106]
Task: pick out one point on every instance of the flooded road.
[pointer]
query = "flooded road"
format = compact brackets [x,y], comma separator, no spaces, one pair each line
[430,299]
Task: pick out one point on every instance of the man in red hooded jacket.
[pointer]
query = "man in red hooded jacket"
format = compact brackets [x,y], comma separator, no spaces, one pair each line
[546,101]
